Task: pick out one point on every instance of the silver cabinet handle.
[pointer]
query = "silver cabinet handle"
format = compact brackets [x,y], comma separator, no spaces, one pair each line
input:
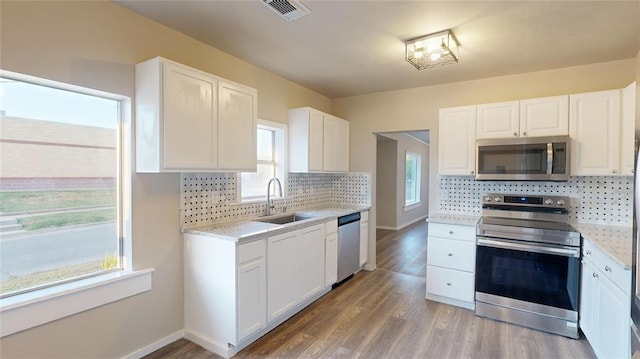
[449,284]
[595,275]
[614,171]
[588,252]
[472,172]
[524,133]
[515,134]
[450,232]
[450,254]
[607,269]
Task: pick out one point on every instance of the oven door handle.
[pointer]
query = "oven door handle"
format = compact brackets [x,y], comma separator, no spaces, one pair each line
[563,251]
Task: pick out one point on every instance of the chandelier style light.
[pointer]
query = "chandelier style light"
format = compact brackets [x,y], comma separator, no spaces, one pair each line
[432,50]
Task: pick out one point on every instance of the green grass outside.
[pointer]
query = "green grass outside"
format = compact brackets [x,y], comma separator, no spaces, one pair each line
[17,202]
[67,219]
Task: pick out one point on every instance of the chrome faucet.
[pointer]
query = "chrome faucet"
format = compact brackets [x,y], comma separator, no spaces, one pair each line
[270,204]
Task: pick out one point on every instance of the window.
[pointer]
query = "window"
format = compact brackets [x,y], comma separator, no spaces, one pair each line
[271,163]
[61,202]
[412,179]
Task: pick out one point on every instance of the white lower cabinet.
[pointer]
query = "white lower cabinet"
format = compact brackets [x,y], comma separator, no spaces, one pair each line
[331,253]
[605,304]
[451,258]
[252,288]
[364,237]
[236,292]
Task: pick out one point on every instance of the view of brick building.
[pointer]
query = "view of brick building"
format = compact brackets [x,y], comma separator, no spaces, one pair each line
[38,155]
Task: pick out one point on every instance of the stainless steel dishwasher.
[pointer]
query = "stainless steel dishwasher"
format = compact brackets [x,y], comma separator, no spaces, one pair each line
[348,245]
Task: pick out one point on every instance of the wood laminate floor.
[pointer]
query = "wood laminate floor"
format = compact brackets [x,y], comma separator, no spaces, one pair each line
[383,314]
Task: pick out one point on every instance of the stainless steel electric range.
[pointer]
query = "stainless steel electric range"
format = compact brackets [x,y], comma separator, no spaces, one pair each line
[528,263]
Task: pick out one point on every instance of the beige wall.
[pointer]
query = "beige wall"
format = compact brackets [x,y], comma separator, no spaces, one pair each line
[392,178]
[417,109]
[96,44]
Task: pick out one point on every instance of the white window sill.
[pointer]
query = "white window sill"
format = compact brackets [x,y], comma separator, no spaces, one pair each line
[412,206]
[31,309]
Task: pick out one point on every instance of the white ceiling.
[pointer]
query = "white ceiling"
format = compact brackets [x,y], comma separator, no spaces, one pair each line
[346,48]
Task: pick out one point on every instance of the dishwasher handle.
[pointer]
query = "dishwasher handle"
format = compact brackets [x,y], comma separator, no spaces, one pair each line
[349,218]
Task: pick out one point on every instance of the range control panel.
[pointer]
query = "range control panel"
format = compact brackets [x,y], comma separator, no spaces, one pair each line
[525,200]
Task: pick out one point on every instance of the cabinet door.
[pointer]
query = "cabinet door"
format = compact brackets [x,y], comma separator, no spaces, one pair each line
[548,116]
[311,261]
[190,119]
[614,323]
[364,243]
[252,288]
[498,120]
[331,260]
[628,130]
[237,123]
[594,127]
[456,141]
[282,266]
[330,152]
[588,301]
[316,140]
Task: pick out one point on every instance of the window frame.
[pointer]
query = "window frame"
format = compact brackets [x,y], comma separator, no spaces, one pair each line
[280,156]
[61,299]
[418,168]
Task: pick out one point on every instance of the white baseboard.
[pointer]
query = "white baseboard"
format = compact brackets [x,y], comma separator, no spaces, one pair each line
[155,345]
[387,227]
[412,222]
[369,267]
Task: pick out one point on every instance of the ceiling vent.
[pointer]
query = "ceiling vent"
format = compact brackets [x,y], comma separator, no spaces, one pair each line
[288,9]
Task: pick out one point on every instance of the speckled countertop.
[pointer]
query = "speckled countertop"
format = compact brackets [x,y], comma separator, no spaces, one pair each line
[454,218]
[248,229]
[613,240]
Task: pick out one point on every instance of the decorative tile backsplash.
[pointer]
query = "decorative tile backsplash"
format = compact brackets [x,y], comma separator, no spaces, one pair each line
[598,200]
[208,198]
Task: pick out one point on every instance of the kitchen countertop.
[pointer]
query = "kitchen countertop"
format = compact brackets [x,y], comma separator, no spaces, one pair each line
[615,241]
[454,218]
[247,229]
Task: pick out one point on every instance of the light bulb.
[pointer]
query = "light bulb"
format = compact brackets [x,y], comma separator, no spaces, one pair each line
[435,56]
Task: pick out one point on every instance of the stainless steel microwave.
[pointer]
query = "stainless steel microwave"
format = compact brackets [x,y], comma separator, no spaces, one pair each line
[523,159]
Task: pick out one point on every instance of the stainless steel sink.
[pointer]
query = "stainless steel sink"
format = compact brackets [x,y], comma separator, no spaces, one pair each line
[287,218]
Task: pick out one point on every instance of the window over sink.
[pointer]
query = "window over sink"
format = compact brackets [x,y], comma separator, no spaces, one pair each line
[271,162]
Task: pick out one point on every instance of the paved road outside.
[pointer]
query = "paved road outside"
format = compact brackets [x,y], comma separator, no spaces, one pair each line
[40,251]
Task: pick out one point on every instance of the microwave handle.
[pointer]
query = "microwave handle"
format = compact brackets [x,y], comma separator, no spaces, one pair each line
[549,158]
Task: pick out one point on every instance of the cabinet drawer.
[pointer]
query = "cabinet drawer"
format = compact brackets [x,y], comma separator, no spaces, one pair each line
[450,283]
[331,227]
[452,231]
[451,253]
[251,251]
[620,277]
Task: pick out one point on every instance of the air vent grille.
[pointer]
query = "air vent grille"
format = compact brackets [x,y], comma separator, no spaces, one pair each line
[287,9]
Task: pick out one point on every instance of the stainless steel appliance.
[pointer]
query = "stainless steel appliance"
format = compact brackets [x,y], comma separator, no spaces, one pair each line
[523,159]
[528,263]
[348,245]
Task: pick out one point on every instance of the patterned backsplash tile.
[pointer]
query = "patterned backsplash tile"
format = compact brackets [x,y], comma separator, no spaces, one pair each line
[597,200]
[208,198]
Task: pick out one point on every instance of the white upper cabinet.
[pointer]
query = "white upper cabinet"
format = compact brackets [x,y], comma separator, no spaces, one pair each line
[456,141]
[237,126]
[191,121]
[498,120]
[628,129]
[546,116]
[594,127]
[318,142]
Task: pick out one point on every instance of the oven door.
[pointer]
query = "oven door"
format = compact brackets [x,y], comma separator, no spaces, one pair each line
[521,273]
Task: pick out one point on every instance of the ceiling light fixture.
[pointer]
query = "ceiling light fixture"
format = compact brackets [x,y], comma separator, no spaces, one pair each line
[432,50]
